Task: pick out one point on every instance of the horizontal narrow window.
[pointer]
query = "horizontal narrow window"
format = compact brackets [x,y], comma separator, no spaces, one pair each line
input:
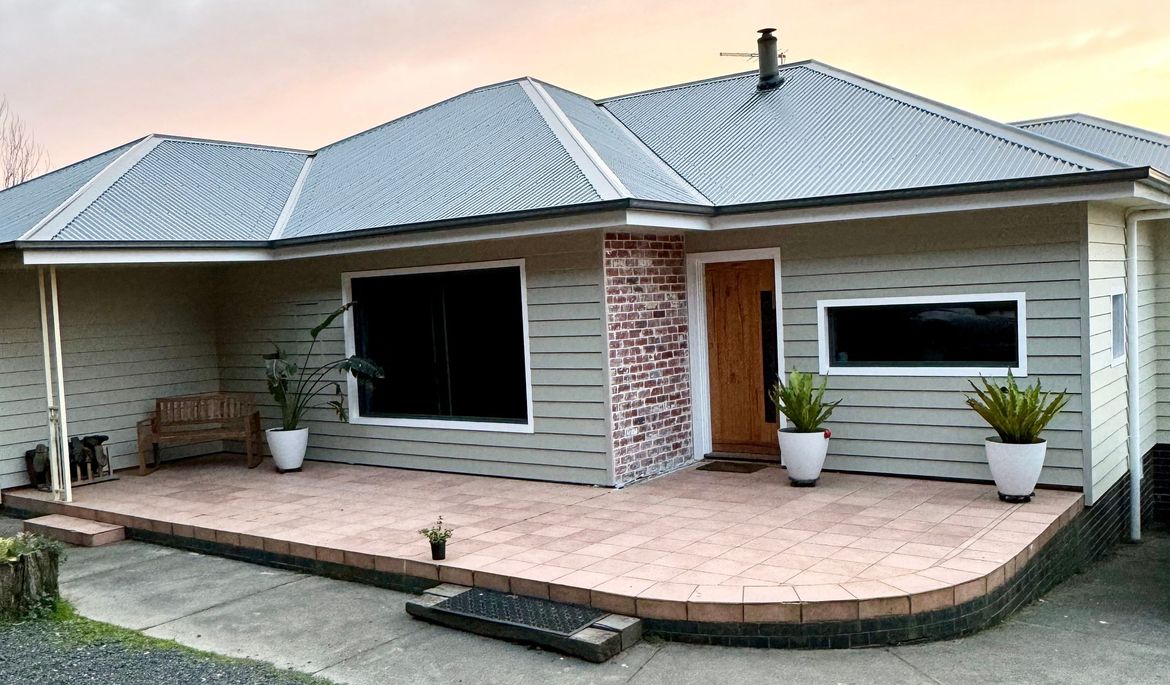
[452,344]
[923,336]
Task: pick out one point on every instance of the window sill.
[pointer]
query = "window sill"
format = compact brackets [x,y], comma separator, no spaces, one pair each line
[942,372]
[486,426]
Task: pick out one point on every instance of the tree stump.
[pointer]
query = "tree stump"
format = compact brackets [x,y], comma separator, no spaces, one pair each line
[28,583]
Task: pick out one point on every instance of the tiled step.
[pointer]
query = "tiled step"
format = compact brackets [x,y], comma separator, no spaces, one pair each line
[75,531]
[585,633]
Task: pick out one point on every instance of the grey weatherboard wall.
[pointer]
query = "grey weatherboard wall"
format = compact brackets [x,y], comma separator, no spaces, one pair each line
[279,302]
[129,336]
[920,425]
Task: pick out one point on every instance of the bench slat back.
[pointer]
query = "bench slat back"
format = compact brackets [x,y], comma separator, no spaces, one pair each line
[203,409]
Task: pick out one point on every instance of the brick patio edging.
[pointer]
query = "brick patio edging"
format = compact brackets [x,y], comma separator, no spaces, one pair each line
[1087,537]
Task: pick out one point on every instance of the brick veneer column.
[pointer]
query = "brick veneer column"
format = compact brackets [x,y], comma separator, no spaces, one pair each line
[646,322]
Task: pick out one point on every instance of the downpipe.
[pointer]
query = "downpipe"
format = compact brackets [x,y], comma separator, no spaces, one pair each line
[1133,383]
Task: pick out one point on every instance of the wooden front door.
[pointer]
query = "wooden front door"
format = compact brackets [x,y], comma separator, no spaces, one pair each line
[741,349]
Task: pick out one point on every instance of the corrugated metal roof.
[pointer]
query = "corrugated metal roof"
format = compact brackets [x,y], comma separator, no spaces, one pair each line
[23,206]
[488,151]
[1129,144]
[522,145]
[823,133]
[192,190]
[643,174]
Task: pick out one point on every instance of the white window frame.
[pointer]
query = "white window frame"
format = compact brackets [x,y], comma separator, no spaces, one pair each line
[1114,293]
[445,424]
[1021,370]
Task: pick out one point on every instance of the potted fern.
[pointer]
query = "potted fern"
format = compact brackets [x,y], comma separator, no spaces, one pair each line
[1018,415]
[804,444]
[296,388]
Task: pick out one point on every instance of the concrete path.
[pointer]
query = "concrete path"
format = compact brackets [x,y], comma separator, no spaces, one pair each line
[1109,625]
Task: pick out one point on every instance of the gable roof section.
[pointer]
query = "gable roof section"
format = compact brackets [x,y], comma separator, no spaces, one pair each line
[1129,144]
[488,151]
[826,132]
[24,205]
[190,190]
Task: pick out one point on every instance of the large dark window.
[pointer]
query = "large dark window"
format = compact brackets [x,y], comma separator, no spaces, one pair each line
[937,334]
[451,343]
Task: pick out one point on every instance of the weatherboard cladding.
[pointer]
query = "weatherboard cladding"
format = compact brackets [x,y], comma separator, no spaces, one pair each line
[816,135]
[192,190]
[1140,148]
[488,151]
[23,206]
[644,175]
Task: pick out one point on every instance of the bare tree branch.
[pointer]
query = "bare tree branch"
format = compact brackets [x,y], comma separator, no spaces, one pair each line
[21,156]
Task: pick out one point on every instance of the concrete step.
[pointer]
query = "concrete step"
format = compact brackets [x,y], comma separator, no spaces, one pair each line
[75,531]
[585,633]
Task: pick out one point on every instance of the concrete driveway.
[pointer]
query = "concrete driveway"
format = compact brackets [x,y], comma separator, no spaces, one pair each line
[1111,624]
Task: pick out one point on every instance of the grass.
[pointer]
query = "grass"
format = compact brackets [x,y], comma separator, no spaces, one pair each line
[75,629]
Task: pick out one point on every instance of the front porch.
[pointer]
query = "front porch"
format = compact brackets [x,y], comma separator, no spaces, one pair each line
[690,552]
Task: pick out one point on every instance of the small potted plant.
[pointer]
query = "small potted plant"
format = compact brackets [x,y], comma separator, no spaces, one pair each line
[1018,415]
[296,387]
[438,536]
[804,444]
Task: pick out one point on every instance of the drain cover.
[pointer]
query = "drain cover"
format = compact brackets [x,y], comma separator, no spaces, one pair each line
[732,467]
[529,612]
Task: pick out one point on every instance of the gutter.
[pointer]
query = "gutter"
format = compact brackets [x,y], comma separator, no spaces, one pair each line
[1133,381]
[565,211]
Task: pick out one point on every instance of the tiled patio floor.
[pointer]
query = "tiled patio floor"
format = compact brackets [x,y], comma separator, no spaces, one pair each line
[695,545]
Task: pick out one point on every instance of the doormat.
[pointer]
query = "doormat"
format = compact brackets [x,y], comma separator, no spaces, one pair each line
[731,466]
[516,610]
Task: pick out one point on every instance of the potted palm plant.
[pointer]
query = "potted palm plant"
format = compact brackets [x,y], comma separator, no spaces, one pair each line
[804,444]
[1018,415]
[296,389]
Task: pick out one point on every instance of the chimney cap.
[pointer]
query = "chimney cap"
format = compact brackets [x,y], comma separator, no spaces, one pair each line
[765,31]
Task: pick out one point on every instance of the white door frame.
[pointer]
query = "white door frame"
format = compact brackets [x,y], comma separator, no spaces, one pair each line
[697,333]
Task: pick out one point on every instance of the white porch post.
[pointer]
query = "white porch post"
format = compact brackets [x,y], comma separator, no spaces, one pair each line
[50,403]
[59,471]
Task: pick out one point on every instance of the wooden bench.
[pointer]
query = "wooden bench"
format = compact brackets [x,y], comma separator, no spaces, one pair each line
[200,418]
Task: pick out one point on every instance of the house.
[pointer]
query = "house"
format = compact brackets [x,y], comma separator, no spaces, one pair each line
[597,292]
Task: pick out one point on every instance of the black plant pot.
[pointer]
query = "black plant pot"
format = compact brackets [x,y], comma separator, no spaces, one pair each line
[439,550]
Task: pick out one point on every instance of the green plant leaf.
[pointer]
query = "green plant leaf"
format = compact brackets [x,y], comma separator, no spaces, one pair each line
[802,403]
[1017,415]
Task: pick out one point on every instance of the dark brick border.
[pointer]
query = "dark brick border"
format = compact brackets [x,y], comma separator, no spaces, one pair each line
[1086,538]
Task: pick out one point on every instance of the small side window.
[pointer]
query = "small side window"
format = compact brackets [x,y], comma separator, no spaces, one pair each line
[1117,317]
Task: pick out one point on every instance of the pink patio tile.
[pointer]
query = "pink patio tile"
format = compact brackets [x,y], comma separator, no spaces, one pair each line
[908,561]
[584,579]
[681,560]
[654,572]
[814,578]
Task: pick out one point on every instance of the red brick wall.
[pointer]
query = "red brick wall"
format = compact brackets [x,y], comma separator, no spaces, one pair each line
[646,320]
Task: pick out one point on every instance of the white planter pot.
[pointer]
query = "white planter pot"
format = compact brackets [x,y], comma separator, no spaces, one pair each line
[288,447]
[803,454]
[1015,468]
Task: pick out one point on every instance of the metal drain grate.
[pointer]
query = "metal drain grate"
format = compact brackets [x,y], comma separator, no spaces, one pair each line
[529,612]
[732,467]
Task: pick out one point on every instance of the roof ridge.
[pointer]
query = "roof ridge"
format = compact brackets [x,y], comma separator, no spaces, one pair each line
[603,179]
[231,143]
[638,142]
[73,164]
[697,82]
[1103,124]
[991,127]
[52,223]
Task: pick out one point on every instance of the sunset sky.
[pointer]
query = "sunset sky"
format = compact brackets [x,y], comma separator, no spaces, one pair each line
[90,75]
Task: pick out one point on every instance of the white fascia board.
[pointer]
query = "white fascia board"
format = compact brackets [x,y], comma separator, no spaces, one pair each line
[68,210]
[143,255]
[1120,190]
[291,202]
[596,171]
[642,218]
